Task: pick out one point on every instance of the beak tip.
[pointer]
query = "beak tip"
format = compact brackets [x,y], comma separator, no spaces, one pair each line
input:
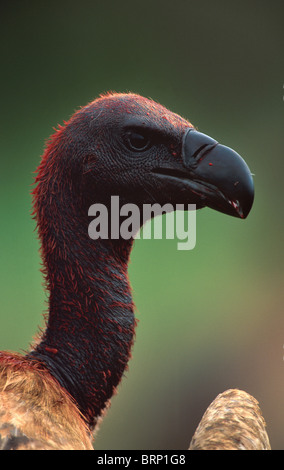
[241,204]
[247,196]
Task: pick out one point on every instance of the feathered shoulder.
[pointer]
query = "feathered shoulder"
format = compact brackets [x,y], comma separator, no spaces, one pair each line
[35,411]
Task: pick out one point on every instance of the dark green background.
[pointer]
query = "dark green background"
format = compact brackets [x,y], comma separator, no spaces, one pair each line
[211,318]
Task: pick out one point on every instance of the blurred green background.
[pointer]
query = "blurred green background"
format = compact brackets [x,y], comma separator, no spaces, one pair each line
[211,318]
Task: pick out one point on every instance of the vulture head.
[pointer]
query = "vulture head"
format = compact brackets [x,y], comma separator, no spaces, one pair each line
[130,146]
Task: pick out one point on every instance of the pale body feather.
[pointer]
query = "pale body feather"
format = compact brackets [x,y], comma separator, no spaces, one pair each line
[35,411]
[233,421]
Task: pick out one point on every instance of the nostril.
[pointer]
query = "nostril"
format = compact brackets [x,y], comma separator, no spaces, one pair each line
[195,146]
[202,151]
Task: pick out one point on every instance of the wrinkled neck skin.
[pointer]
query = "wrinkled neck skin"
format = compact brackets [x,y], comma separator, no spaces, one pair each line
[90,327]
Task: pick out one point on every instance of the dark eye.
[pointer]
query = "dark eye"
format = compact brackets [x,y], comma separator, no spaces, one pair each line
[137,141]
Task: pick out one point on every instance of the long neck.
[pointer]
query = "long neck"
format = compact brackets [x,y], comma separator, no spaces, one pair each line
[90,326]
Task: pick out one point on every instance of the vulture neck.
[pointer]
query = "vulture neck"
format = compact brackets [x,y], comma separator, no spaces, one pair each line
[90,327]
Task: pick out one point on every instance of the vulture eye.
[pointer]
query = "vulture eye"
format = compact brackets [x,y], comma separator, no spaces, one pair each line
[137,140]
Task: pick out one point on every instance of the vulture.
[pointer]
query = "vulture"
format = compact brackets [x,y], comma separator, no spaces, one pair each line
[53,395]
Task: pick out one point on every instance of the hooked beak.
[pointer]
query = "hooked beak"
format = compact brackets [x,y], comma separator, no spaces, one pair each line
[217,174]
